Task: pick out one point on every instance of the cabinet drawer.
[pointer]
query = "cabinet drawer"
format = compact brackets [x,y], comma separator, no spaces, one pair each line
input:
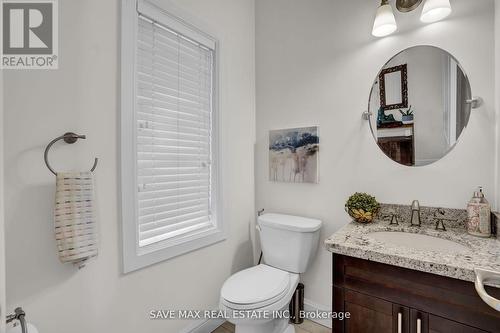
[442,325]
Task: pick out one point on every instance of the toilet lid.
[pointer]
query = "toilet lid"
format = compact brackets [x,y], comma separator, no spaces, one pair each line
[256,287]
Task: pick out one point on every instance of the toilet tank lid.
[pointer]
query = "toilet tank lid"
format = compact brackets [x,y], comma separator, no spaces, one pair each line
[289,222]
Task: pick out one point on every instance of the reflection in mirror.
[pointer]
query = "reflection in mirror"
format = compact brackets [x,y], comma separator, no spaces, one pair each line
[419,105]
[393,87]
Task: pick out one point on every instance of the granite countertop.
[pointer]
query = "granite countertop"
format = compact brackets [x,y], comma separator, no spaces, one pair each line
[353,240]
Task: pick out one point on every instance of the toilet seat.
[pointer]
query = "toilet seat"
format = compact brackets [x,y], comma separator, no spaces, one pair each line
[255,287]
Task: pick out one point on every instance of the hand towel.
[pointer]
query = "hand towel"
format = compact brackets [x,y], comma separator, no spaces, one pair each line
[75,225]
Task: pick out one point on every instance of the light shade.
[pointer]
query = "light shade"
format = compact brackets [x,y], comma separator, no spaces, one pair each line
[385,22]
[435,10]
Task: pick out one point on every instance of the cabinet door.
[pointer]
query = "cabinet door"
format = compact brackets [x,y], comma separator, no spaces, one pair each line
[370,314]
[399,149]
[401,318]
[442,325]
[419,321]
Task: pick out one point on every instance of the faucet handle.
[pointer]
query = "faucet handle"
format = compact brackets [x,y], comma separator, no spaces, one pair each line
[440,211]
[394,219]
[440,225]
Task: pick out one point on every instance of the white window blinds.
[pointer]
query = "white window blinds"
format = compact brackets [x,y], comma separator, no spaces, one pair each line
[173,112]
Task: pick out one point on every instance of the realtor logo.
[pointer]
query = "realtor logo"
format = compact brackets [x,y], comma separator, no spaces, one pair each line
[29,34]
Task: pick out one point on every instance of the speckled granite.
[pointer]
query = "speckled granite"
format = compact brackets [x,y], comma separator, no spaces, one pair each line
[352,240]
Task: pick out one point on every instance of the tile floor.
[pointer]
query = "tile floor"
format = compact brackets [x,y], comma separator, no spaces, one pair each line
[306,327]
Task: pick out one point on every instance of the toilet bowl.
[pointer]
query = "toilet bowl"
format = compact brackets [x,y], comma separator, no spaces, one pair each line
[256,300]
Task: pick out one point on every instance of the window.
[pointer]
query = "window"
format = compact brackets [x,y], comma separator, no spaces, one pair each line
[169,144]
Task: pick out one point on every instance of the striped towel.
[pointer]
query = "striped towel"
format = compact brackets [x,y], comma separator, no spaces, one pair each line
[75,225]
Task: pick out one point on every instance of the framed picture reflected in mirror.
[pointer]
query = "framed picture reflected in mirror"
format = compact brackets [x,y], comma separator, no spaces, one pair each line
[394,87]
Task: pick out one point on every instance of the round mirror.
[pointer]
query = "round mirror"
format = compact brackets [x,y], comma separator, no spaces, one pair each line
[419,105]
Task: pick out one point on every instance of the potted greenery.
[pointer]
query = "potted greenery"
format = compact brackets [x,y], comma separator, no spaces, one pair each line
[408,116]
[362,207]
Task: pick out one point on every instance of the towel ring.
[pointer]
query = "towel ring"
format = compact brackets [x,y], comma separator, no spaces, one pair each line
[69,138]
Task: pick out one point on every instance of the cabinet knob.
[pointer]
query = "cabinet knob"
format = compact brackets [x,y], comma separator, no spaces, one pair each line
[400,322]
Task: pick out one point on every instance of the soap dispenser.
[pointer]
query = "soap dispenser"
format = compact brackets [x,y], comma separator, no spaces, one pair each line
[478,215]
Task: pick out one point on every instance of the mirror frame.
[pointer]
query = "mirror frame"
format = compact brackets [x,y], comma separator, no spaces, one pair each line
[404,87]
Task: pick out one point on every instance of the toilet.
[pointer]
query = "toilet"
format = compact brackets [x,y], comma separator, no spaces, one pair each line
[256,299]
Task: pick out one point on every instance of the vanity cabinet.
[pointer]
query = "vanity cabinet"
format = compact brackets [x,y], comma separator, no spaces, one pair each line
[387,299]
[398,143]
[371,314]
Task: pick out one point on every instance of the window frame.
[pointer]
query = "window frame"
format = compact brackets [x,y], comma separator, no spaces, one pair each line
[134,257]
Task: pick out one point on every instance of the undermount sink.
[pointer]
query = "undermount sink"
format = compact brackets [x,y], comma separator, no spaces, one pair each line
[418,241]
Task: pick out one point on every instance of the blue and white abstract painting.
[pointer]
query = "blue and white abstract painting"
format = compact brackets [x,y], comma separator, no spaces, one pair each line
[293,155]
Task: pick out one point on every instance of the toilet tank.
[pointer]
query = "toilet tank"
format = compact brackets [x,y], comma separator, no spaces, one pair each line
[288,242]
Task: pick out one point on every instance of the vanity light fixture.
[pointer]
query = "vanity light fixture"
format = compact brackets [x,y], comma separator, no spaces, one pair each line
[406,6]
[385,22]
[435,10]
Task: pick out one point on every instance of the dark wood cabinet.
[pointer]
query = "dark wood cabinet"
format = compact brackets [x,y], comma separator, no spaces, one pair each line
[398,148]
[382,298]
[419,321]
[371,314]
[442,325]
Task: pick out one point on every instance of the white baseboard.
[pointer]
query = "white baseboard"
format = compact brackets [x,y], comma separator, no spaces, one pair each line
[310,306]
[203,326]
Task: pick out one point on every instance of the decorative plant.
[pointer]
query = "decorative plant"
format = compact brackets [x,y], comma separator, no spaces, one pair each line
[362,207]
[406,113]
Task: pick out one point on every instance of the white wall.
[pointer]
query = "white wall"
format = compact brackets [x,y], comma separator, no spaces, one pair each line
[82,96]
[497,93]
[316,62]
[3,309]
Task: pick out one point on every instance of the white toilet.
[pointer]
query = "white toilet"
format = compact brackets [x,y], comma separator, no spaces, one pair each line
[254,297]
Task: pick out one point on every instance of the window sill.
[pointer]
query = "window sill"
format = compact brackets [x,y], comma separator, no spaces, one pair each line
[152,256]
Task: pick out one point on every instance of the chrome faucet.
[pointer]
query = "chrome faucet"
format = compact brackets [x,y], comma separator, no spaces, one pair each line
[415,210]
